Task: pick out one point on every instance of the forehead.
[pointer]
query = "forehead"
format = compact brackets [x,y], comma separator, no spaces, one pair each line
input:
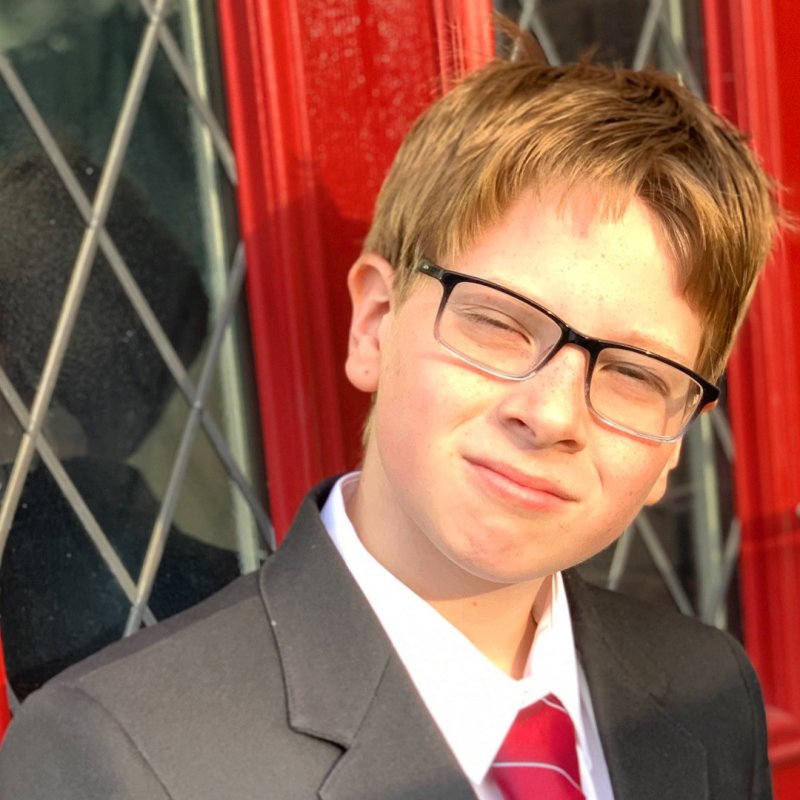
[607,272]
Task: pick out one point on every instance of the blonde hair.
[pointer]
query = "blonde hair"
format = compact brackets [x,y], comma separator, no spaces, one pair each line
[517,126]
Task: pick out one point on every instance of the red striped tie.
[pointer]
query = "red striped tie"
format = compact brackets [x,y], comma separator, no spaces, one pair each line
[538,760]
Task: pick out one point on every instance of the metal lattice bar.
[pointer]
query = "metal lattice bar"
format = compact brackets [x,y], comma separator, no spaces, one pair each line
[706,513]
[73,497]
[662,563]
[13,700]
[176,59]
[134,294]
[619,561]
[715,613]
[722,430]
[678,55]
[81,271]
[230,378]
[531,20]
[163,522]
[648,35]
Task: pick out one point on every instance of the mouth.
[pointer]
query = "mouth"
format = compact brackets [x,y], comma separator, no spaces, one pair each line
[518,487]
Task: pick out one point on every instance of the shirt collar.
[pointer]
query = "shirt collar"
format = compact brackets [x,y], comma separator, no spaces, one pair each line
[473,702]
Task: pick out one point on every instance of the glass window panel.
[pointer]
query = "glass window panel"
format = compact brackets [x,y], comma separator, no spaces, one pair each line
[10,434]
[612,29]
[59,601]
[205,497]
[211,508]
[40,239]
[16,135]
[90,45]
[117,414]
[161,160]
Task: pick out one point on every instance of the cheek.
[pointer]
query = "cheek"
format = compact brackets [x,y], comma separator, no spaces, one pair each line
[628,471]
[423,404]
[406,412]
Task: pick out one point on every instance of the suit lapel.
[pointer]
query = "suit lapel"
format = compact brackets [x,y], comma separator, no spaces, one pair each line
[344,683]
[650,755]
[397,752]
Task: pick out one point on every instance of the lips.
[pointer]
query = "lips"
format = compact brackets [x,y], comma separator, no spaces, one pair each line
[517,486]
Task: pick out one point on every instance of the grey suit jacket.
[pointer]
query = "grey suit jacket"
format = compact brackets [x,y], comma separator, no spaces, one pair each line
[284,687]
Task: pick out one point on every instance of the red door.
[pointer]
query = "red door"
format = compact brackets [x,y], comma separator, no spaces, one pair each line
[753,77]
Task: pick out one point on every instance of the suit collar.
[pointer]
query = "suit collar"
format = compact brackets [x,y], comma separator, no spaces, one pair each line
[343,681]
[359,696]
[650,755]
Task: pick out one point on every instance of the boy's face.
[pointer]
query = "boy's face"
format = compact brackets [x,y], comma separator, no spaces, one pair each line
[469,478]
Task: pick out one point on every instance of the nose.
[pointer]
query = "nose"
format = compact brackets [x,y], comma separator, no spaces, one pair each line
[549,409]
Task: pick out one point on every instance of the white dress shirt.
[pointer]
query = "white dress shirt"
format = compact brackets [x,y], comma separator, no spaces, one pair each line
[472,701]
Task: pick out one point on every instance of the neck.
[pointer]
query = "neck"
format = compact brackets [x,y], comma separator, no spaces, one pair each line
[498,618]
[500,623]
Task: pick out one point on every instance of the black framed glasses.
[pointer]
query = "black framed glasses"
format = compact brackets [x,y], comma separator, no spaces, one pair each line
[507,335]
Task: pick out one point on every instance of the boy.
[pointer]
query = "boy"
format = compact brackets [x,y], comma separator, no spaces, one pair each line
[559,260]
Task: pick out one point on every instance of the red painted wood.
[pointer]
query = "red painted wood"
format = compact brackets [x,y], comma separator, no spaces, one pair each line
[753,76]
[320,95]
[5,711]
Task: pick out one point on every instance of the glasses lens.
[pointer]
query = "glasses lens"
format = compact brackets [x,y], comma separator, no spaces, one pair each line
[495,331]
[642,394]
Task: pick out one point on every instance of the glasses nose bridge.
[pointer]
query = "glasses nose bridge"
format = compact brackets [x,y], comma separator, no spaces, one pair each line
[570,336]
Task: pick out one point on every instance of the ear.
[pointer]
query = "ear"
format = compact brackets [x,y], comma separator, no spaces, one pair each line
[370,285]
[660,486]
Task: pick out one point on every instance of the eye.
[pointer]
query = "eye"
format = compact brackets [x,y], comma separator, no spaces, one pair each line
[637,377]
[492,323]
[492,318]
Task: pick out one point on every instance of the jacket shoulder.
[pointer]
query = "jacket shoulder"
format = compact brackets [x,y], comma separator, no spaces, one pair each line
[680,647]
[146,717]
[697,676]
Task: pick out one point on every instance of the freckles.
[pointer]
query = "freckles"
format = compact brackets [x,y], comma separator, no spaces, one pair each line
[471,395]
[628,467]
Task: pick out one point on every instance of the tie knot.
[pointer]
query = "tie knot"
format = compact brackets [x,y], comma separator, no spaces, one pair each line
[537,758]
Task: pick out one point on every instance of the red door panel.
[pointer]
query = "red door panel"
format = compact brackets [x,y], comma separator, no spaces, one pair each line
[320,96]
[753,77]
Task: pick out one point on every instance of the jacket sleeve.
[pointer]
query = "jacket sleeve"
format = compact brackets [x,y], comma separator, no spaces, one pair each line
[63,745]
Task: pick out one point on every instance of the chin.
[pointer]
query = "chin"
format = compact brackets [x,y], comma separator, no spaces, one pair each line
[503,571]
